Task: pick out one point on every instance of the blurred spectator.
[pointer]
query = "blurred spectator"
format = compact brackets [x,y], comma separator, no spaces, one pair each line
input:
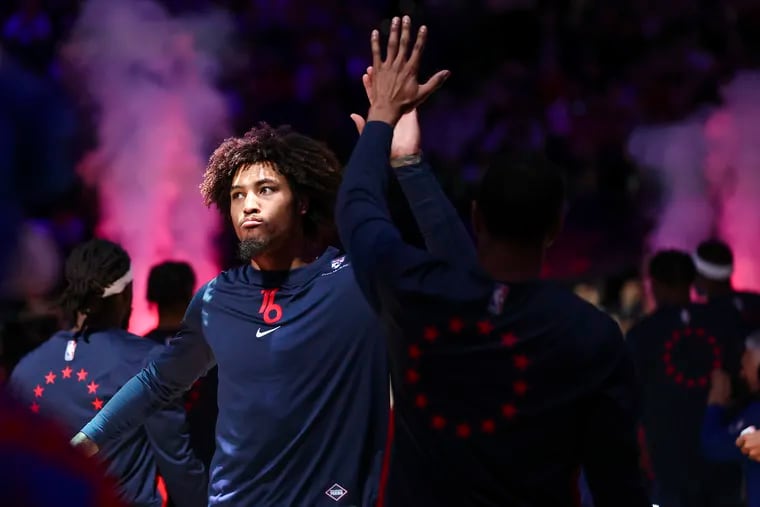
[28,34]
[675,349]
[720,430]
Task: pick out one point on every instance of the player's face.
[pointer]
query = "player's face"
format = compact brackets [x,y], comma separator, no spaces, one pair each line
[262,207]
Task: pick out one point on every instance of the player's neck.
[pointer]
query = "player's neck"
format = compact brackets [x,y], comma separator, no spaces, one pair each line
[93,323]
[169,319]
[511,262]
[294,255]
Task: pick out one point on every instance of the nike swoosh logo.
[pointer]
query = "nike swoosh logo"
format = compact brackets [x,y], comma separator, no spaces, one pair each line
[261,334]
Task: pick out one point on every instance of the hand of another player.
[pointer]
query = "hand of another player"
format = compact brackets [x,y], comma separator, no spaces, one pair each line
[395,89]
[749,444]
[82,443]
[406,134]
[720,388]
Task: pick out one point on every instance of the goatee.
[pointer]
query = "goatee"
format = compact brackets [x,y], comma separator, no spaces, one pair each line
[250,248]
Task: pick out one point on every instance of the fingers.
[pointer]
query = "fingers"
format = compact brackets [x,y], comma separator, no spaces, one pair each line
[390,55]
[432,85]
[375,42]
[419,46]
[406,24]
[367,82]
[359,122]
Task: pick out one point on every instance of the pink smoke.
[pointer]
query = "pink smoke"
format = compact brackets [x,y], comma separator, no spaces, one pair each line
[710,168]
[158,112]
[686,219]
[733,169]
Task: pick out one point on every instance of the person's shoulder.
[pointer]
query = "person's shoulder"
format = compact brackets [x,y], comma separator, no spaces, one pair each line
[336,262]
[571,320]
[652,321]
[55,343]
[230,276]
[564,303]
[132,341]
[585,340]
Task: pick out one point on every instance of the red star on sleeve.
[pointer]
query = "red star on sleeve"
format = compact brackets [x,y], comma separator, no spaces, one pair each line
[50,378]
[34,407]
[81,375]
[38,391]
[97,404]
[92,387]
[66,372]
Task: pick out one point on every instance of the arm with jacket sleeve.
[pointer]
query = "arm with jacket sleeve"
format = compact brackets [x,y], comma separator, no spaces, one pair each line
[384,266]
[444,233]
[610,449]
[186,358]
[718,442]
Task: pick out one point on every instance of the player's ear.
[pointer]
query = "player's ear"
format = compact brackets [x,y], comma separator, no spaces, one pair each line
[302,205]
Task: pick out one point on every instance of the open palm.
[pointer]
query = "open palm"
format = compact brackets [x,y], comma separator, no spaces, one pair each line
[406,134]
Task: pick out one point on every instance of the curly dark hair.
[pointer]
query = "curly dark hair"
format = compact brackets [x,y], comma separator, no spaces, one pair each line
[310,167]
[90,268]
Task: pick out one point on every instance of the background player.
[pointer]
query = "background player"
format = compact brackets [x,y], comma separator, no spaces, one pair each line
[715,266]
[675,349]
[72,375]
[485,372]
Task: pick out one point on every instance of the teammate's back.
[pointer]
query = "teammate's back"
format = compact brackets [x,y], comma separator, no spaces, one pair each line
[503,407]
[69,380]
[71,376]
[504,386]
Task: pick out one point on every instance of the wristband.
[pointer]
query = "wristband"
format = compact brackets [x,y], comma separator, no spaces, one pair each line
[406,160]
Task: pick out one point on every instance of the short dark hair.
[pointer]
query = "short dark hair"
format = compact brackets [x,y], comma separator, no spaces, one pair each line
[521,197]
[672,268]
[90,268]
[171,283]
[311,169]
[715,251]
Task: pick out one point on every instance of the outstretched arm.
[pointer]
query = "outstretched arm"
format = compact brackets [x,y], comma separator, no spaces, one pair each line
[383,263]
[441,227]
[186,358]
[444,233]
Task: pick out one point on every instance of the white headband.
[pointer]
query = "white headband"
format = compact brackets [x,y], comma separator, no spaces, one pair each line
[712,271]
[119,285]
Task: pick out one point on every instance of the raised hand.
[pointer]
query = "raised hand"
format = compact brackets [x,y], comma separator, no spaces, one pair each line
[395,89]
[406,134]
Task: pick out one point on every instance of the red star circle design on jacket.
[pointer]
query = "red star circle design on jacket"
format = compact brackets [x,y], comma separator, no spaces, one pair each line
[696,336]
[458,328]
